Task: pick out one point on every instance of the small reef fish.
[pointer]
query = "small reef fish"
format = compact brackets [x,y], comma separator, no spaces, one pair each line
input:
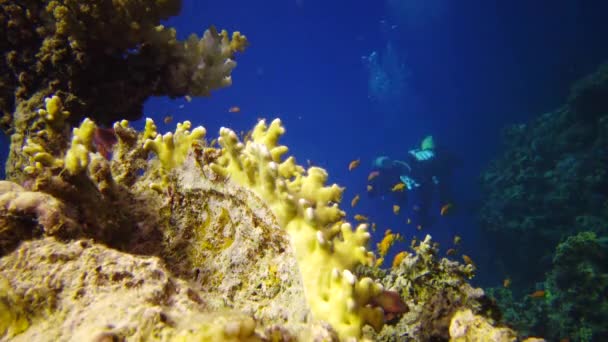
[373,226]
[168,119]
[234,109]
[416,208]
[445,209]
[399,258]
[409,220]
[506,283]
[450,252]
[354,201]
[391,303]
[369,188]
[373,175]
[457,240]
[104,140]
[360,218]
[537,294]
[396,209]
[398,187]
[467,260]
[353,164]
[188,98]
[419,227]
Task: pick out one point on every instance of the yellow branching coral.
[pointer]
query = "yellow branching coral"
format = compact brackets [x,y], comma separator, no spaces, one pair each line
[39,158]
[327,249]
[53,112]
[172,148]
[77,157]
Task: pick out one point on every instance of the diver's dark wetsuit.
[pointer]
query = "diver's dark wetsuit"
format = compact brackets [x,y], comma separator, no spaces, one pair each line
[426,177]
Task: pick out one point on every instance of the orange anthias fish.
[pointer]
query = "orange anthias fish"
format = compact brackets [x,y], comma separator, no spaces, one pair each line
[445,209]
[467,260]
[360,218]
[537,294]
[373,175]
[354,201]
[353,164]
[234,109]
[398,187]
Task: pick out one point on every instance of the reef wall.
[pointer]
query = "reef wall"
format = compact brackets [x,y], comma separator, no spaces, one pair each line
[548,190]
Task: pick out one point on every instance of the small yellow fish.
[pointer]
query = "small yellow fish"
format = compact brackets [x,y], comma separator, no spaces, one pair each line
[213,142]
[467,260]
[353,164]
[506,283]
[398,187]
[373,175]
[168,119]
[396,209]
[457,240]
[369,188]
[354,201]
[234,109]
[360,218]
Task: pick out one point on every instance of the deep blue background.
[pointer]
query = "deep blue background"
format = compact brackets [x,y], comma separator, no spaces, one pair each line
[474,67]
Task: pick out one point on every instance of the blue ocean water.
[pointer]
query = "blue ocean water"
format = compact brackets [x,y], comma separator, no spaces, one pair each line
[358,79]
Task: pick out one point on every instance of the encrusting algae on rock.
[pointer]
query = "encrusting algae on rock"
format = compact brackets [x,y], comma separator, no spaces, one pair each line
[169,237]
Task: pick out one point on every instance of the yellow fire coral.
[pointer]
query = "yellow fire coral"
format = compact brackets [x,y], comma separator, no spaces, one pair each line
[77,156]
[172,148]
[327,249]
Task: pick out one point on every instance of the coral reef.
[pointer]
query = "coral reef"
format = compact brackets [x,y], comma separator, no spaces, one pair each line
[547,197]
[103,59]
[107,233]
[574,302]
[550,183]
[434,290]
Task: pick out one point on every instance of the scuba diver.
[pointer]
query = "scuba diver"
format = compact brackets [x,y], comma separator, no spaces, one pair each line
[424,172]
